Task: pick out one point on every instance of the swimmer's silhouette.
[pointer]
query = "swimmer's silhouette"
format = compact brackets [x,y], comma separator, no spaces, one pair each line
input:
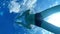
[37,19]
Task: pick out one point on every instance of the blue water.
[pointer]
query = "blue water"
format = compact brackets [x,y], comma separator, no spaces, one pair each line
[7,24]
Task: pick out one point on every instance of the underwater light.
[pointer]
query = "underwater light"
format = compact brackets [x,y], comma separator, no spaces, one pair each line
[54,19]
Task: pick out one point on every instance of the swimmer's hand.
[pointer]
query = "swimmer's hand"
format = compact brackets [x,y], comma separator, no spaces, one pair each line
[28,18]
